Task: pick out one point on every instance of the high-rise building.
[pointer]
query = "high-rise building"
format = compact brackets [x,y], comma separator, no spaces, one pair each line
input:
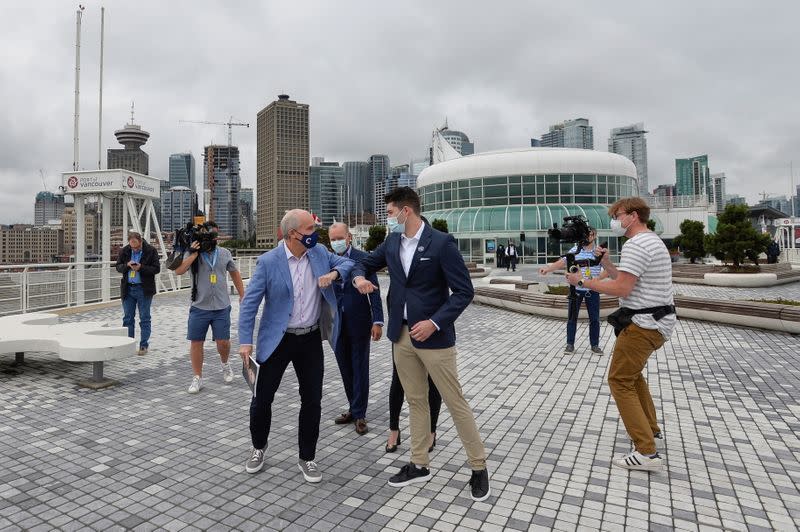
[69,224]
[281,164]
[401,176]
[418,165]
[221,164]
[575,133]
[630,142]
[692,177]
[177,208]
[325,186]
[131,157]
[182,171]
[718,189]
[663,191]
[48,207]
[735,199]
[27,244]
[379,174]
[358,188]
[246,218]
[458,140]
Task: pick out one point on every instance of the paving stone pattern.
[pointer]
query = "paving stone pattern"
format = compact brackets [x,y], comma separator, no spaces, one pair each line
[146,455]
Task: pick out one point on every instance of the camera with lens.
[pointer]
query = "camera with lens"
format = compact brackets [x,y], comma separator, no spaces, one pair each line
[574,230]
[197,230]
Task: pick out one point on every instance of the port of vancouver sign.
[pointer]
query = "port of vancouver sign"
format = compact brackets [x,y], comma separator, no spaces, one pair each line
[111,181]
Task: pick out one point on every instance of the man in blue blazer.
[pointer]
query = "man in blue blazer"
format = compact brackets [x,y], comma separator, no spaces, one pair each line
[430,287]
[360,317]
[294,281]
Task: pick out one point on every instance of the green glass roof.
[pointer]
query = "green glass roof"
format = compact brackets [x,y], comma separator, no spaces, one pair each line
[517,217]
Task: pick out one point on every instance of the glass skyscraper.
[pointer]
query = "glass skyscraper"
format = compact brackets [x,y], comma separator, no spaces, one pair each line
[630,142]
[692,177]
[358,187]
[223,162]
[325,186]
[575,133]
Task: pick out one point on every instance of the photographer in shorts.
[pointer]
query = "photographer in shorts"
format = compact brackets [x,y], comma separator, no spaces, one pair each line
[211,304]
[643,283]
[585,259]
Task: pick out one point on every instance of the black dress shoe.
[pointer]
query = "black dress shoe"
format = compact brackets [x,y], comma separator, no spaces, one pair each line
[430,449]
[344,419]
[410,474]
[393,448]
[479,485]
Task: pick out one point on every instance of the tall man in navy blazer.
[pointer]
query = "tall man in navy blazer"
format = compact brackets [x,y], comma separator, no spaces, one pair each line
[294,282]
[360,317]
[425,266]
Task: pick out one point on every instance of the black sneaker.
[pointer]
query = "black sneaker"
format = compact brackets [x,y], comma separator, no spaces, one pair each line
[480,485]
[410,474]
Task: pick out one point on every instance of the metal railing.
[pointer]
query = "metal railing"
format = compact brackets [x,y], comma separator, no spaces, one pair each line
[37,287]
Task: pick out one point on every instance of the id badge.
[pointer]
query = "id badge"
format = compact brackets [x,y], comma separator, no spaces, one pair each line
[588,273]
[131,274]
[213,278]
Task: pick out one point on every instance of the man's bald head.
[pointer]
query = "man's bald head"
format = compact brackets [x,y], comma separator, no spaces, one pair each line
[339,231]
[297,220]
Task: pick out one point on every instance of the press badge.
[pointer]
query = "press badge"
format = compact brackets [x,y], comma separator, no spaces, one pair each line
[132,274]
[588,273]
[213,278]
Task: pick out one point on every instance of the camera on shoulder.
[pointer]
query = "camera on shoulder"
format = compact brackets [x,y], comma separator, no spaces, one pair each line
[198,230]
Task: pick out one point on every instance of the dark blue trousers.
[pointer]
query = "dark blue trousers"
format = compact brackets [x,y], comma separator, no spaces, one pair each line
[352,355]
[592,300]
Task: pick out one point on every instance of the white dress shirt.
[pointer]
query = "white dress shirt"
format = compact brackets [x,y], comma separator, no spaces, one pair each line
[307,295]
[407,248]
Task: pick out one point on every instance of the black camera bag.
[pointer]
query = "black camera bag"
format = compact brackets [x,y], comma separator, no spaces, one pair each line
[623,316]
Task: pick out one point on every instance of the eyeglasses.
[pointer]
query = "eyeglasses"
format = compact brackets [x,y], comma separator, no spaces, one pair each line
[617,215]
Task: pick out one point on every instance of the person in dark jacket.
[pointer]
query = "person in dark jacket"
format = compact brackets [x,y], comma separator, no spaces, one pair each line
[360,318]
[501,256]
[430,287]
[138,262]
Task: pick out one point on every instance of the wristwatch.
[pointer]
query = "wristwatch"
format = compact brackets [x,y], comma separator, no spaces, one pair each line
[580,283]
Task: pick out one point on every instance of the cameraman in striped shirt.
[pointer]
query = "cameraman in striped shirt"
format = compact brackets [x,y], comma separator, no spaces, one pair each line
[584,259]
[643,283]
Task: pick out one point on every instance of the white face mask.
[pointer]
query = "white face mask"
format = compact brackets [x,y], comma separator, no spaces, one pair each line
[339,246]
[617,229]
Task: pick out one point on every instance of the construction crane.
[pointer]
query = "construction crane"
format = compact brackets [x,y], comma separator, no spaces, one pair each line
[210,157]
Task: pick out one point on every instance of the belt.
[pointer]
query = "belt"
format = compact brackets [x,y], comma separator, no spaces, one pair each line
[300,331]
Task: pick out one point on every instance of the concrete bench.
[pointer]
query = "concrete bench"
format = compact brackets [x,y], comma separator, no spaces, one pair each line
[93,342]
[522,285]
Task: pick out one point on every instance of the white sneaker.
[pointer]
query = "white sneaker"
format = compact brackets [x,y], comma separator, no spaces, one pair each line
[227,373]
[637,461]
[197,384]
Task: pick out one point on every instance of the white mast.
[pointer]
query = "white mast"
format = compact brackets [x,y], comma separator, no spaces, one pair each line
[78,16]
[100,105]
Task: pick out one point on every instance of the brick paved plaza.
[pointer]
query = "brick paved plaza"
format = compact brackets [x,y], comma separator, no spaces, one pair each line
[146,455]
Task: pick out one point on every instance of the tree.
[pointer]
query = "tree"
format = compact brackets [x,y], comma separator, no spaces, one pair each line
[691,240]
[651,224]
[440,225]
[377,234]
[323,237]
[736,239]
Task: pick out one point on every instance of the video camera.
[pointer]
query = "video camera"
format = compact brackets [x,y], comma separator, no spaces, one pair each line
[198,230]
[574,230]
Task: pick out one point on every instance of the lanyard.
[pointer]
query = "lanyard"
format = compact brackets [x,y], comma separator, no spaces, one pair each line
[136,256]
[211,260]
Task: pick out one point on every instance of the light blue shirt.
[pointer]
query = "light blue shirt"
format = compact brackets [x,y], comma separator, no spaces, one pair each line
[581,258]
[136,256]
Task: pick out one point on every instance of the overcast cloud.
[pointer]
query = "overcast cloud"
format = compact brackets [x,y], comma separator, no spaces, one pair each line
[705,77]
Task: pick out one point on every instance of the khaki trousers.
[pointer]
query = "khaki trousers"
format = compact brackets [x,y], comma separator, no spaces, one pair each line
[413,367]
[629,388]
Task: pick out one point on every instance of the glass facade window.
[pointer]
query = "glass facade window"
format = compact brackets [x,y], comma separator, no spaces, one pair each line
[551,189]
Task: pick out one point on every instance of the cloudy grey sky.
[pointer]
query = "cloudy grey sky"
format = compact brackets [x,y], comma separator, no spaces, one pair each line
[716,77]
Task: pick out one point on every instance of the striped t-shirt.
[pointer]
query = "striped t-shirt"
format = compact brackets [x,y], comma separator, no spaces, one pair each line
[646,257]
[583,259]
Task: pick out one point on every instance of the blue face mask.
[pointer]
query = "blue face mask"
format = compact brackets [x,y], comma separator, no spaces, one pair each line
[394,226]
[339,246]
[309,241]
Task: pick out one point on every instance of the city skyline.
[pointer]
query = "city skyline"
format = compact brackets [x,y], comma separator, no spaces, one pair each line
[500,105]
